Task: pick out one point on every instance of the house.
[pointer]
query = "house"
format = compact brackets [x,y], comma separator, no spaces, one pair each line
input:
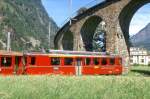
[139,56]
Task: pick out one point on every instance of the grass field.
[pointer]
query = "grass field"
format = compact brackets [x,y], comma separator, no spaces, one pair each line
[135,85]
[140,71]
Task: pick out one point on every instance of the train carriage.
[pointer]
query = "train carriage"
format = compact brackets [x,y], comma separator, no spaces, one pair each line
[60,62]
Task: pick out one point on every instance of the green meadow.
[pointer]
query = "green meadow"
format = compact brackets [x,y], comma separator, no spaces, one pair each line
[135,85]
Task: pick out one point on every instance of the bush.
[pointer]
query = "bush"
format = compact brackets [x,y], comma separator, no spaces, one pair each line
[81,10]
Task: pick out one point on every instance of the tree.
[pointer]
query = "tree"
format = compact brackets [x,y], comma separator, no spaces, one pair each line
[81,10]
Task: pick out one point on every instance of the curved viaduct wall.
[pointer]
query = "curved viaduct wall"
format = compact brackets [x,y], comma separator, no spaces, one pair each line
[117,15]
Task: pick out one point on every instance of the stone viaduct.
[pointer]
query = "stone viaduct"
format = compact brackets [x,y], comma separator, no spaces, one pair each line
[116,14]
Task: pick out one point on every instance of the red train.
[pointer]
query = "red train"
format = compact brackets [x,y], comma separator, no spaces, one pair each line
[59,62]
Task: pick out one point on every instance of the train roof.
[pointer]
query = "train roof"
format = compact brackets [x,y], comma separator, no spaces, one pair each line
[74,55]
[70,54]
[59,53]
[10,53]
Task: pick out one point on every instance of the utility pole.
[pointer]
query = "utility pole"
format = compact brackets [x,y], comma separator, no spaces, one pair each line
[70,7]
[8,41]
[49,30]
[70,11]
[97,1]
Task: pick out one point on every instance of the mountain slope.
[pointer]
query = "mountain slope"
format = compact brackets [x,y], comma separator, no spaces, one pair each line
[142,38]
[28,22]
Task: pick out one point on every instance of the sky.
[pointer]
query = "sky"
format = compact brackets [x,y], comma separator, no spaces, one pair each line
[140,19]
[59,11]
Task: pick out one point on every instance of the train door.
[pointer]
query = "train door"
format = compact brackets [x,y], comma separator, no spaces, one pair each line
[30,68]
[17,68]
[0,67]
[55,63]
[78,66]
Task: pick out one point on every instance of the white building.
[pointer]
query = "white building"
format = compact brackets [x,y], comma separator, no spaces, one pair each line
[139,56]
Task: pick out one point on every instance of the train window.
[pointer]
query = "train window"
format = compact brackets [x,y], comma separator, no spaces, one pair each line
[6,61]
[104,61]
[68,61]
[87,61]
[112,61]
[96,61]
[55,61]
[33,60]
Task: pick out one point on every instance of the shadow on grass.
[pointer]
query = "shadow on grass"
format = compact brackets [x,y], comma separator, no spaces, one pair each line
[143,72]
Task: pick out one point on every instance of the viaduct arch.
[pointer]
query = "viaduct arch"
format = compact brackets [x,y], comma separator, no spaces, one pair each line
[117,15]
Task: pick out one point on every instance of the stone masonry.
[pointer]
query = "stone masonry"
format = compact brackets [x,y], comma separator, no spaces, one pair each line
[117,15]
